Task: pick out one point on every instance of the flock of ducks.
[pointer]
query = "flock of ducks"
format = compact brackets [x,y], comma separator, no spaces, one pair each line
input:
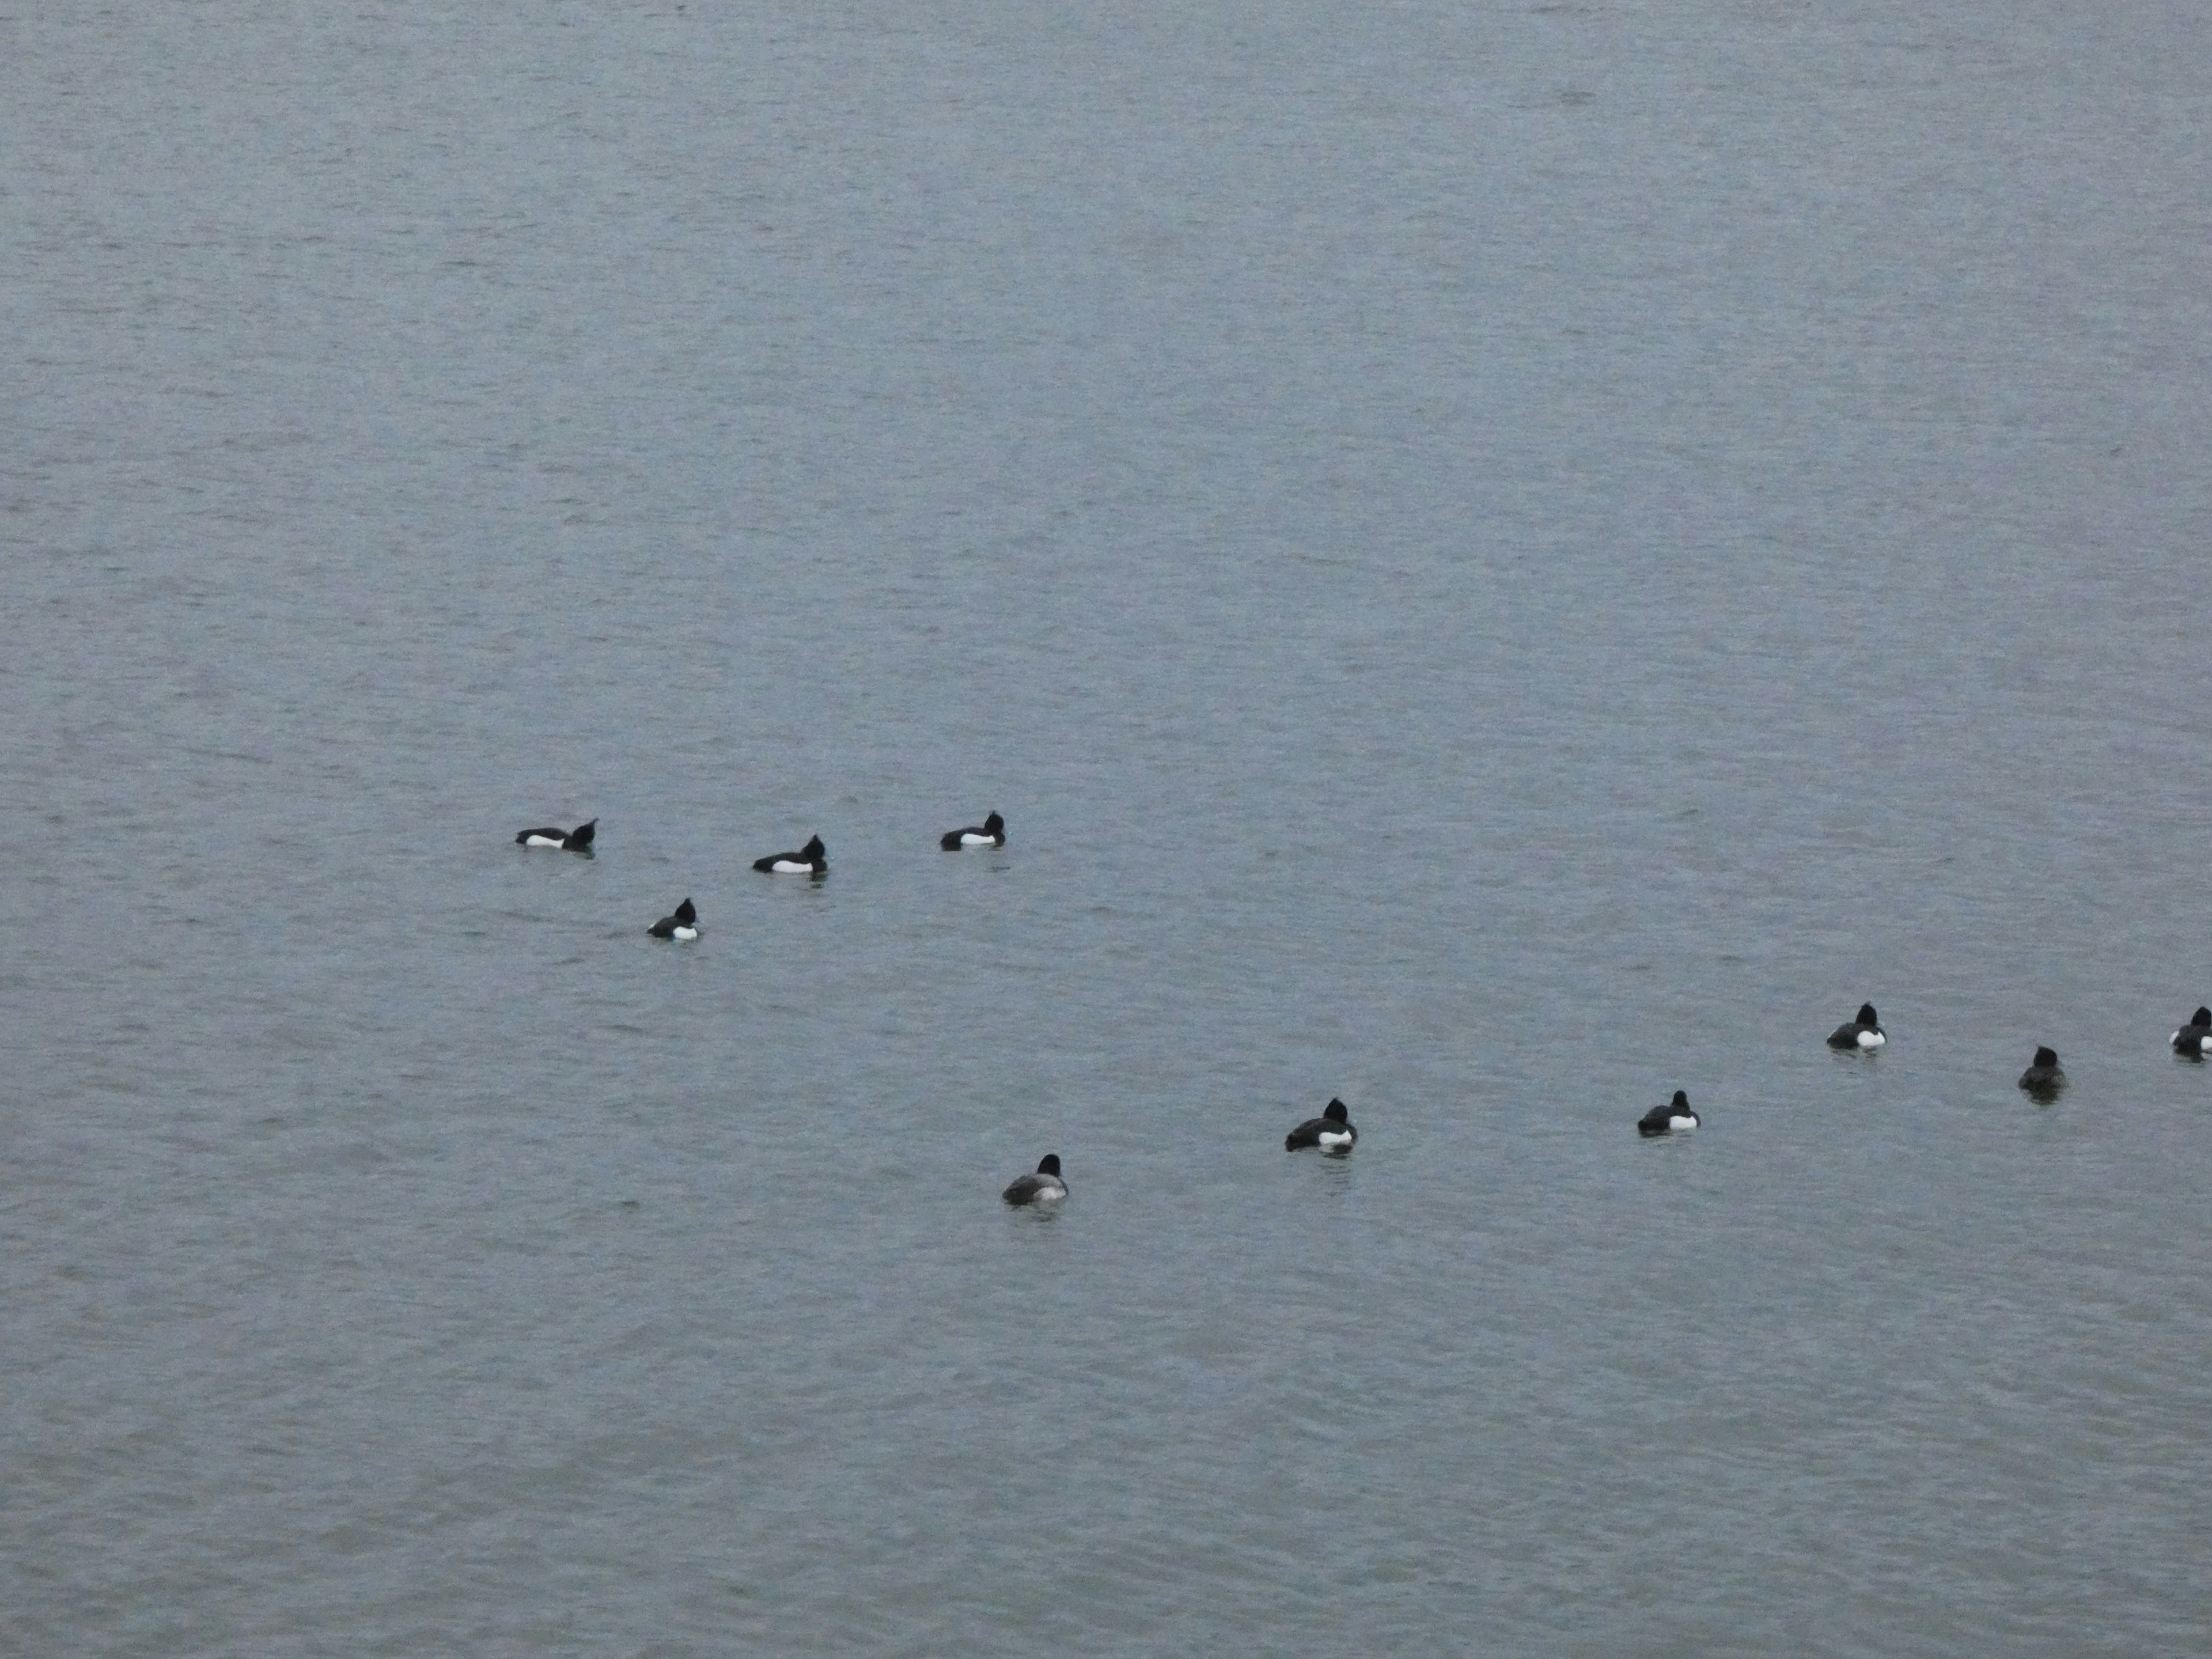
[1332,1132]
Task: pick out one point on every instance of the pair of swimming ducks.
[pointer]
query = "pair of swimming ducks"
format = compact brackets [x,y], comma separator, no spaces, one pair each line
[1863,1032]
[1332,1132]
[2042,1078]
[682,924]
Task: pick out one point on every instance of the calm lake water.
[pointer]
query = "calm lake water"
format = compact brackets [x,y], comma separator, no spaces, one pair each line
[1499,561]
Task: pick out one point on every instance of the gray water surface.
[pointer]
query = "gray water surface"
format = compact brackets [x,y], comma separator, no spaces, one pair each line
[1498,561]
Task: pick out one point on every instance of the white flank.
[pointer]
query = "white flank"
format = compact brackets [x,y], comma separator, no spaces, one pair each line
[1871,1039]
[1335,1138]
[788,867]
[541,840]
[970,838]
[1680,1124]
[685,933]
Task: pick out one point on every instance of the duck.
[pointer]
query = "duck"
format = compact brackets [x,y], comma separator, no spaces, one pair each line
[810,860]
[577,840]
[1675,1117]
[1332,1132]
[1045,1187]
[2195,1039]
[683,924]
[992,832]
[1862,1033]
[2044,1079]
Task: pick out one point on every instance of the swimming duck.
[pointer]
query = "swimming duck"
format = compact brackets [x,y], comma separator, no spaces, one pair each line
[2044,1079]
[1675,1117]
[992,832]
[808,860]
[2195,1039]
[683,924]
[1332,1131]
[577,840]
[1042,1187]
[1862,1033]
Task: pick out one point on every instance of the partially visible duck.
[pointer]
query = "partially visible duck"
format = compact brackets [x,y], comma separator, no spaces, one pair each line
[683,924]
[992,832]
[577,840]
[1332,1132]
[1862,1033]
[1044,1187]
[1675,1117]
[810,860]
[2044,1079]
[2195,1039]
